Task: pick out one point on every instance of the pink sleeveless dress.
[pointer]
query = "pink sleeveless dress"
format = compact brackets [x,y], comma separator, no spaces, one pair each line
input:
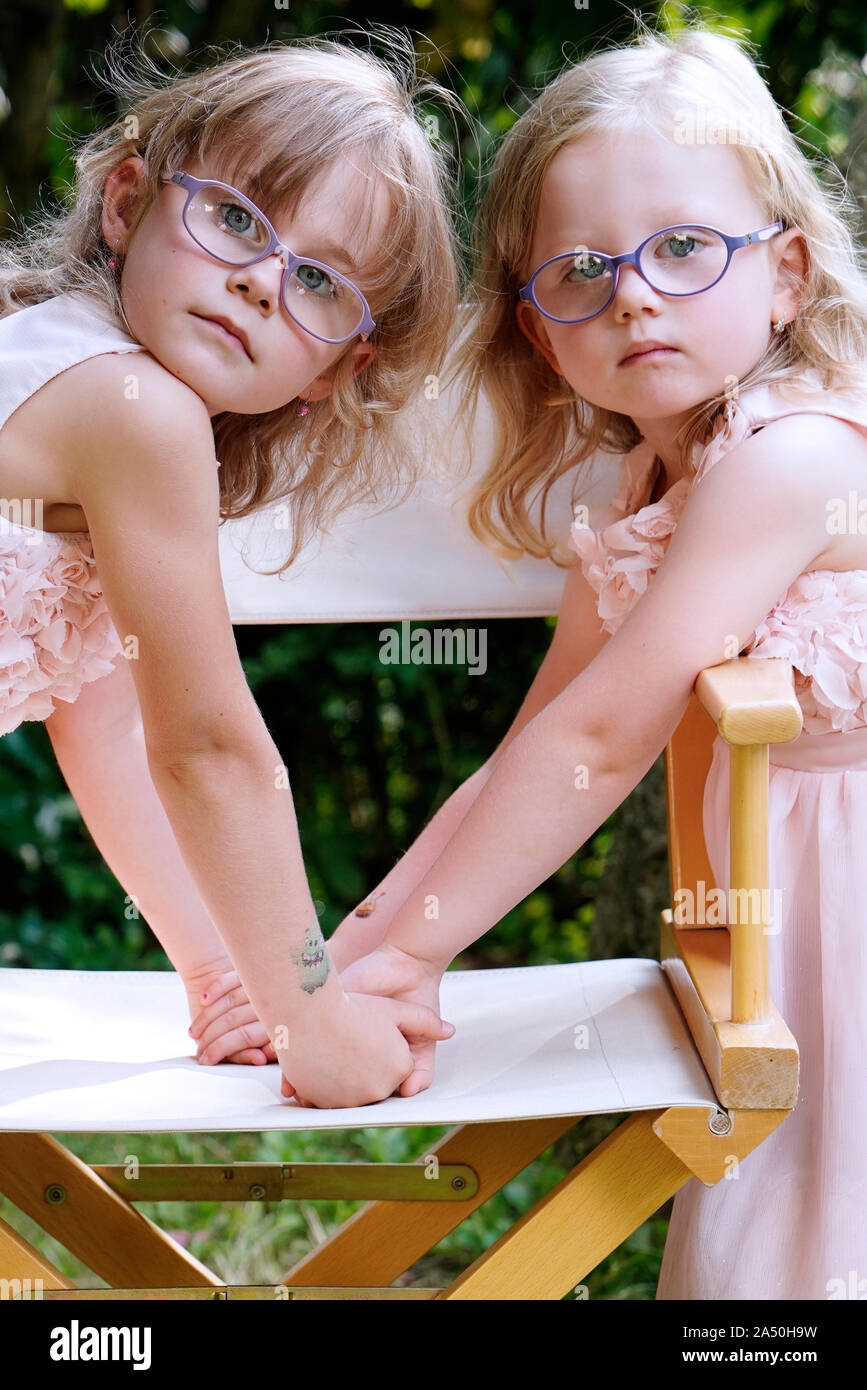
[793,1223]
[56,633]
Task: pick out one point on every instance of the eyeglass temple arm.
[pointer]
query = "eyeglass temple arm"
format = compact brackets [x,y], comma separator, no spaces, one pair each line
[764,234]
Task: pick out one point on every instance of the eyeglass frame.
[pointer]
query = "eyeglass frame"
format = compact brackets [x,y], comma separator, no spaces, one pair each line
[733,243]
[288,258]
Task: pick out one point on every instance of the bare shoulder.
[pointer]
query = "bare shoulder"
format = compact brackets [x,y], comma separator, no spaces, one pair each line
[800,468]
[128,421]
[114,395]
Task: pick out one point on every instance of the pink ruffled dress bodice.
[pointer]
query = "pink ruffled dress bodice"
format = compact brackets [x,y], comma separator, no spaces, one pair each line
[56,633]
[819,623]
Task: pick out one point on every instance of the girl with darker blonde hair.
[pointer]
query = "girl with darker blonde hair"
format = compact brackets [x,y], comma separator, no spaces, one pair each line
[255,273]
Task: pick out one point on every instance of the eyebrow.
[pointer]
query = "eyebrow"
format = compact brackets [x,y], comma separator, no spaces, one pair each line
[334,253]
[670,220]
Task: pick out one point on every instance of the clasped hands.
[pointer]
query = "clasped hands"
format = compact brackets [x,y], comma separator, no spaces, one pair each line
[382,1041]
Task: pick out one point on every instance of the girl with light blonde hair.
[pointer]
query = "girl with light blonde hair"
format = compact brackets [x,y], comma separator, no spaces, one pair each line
[698,306]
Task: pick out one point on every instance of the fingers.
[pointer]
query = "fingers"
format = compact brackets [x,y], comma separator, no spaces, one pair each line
[421,1076]
[231,998]
[417,1021]
[419,1080]
[249,1057]
[234,1031]
[215,986]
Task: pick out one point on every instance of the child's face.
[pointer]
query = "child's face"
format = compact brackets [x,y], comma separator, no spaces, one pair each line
[170,287]
[609,193]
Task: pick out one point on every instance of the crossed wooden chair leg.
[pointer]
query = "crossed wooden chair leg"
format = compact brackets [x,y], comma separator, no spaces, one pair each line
[546,1253]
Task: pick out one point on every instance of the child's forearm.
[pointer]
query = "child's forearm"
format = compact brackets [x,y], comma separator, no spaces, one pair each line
[233,817]
[536,810]
[359,935]
[111,783]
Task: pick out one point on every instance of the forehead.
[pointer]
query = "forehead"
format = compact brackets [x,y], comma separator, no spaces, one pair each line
[617,188]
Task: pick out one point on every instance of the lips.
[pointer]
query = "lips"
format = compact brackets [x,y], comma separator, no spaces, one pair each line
[229,327]
[642,346]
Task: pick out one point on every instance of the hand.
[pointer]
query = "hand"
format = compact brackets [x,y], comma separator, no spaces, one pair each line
[393,973]
[227,1028]
[365,1054]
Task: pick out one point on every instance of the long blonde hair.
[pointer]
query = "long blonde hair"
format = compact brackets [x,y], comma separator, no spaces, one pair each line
[276,114]
[668,83]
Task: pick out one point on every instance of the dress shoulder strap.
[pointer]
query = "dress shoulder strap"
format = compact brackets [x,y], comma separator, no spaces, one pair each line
[757,406]
[40,341]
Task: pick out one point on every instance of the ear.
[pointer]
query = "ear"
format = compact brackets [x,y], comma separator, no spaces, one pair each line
[120,196]
[792,264]
[530,322]
[320,387]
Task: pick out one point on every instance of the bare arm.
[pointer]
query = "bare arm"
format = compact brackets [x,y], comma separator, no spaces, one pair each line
[726,567]
[100,748]
[577,638]
[99,743]
[146,475]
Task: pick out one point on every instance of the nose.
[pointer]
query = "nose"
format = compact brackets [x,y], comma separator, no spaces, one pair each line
[633,293]
[262,281]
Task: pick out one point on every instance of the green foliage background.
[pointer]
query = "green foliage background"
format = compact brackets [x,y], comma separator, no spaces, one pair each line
[372,751]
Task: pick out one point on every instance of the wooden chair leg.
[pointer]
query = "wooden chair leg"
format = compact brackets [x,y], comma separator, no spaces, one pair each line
[587,1215]
[383,1239]
[20,1263]
[100,1227]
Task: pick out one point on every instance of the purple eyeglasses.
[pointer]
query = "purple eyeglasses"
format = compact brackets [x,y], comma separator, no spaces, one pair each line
[700,257]
[229,227]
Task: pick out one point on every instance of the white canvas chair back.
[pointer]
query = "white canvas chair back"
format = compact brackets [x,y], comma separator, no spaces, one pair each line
[419,560]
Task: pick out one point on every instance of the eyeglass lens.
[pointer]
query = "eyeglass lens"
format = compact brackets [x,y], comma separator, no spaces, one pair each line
[575,286]
[231,231]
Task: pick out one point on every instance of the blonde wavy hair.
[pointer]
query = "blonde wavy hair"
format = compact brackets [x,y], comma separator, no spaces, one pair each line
[274,116]
[665,82]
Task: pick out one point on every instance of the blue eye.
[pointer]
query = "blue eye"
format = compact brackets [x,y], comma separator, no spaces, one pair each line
[682,245]
[586,267]
[315,281]
[237,219]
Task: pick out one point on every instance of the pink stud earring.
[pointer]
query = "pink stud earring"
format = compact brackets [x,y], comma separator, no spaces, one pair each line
[304,407]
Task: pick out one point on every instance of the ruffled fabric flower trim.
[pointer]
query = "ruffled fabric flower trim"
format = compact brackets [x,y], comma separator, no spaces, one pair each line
[620,560]
[820,625]
[56,633]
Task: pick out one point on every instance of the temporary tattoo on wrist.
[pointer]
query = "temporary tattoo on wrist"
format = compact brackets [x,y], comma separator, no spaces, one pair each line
[312,960]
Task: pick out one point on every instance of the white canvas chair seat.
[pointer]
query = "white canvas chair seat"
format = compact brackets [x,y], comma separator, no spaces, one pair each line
[109,1051]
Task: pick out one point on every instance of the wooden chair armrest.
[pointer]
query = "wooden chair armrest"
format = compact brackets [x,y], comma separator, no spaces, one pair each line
[752,703]
[751,700]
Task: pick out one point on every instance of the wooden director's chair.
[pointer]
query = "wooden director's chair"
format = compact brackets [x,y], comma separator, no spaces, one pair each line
[707,1068]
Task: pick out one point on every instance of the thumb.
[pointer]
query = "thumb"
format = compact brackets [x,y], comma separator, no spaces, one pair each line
[417,1020]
